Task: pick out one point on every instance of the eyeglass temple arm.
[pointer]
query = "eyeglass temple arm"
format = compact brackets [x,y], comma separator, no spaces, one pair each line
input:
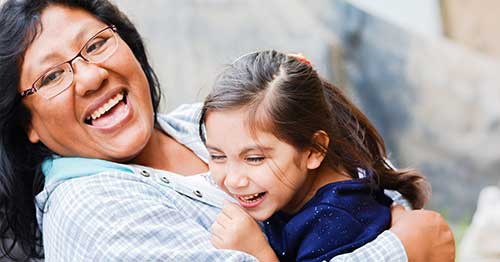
[28,92]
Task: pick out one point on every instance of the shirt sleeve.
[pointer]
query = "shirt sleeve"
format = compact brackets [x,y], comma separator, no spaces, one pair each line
[99,219]
[386,247]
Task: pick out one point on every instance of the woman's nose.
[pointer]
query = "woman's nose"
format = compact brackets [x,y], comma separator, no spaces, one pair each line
[87,77]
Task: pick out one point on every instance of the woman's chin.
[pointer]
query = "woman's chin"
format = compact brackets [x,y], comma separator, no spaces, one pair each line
[126,149]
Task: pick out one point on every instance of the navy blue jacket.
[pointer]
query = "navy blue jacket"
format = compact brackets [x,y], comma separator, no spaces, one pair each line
[341,217]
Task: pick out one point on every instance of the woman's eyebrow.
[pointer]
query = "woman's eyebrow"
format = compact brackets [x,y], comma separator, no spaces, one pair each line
[81,37]
[40,65]
[45,60]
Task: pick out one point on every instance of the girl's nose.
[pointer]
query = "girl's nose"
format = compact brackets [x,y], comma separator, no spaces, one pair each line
[235,177]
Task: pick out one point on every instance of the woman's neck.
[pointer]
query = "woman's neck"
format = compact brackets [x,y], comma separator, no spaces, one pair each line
[315,180]
[164,152]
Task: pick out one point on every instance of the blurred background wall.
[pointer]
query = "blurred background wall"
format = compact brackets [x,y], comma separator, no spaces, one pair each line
[425,71]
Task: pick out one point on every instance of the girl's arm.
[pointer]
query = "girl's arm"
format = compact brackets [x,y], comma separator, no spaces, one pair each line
[235,229]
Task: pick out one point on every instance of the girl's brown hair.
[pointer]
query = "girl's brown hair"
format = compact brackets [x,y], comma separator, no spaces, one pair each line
[285,96]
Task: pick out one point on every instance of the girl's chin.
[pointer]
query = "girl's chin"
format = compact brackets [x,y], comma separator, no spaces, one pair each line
[260,215]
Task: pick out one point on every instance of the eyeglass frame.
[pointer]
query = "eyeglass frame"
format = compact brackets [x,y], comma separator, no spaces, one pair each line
[33,89]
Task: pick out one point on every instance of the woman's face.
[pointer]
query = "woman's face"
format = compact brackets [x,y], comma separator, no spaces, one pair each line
[113,93]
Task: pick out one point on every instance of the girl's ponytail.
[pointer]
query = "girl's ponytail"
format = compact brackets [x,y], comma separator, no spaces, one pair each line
[369,150]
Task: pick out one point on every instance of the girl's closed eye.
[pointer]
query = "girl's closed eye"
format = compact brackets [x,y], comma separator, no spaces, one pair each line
[255,160]
[218,158]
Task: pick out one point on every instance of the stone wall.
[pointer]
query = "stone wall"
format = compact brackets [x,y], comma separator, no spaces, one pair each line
[435,102]
[189,41]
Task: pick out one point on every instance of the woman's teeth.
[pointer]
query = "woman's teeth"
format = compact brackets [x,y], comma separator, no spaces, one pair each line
[106,107]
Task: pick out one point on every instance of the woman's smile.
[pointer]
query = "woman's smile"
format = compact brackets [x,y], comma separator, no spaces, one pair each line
[106,111]
[111,115]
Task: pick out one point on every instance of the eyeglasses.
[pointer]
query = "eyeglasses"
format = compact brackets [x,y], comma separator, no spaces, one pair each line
[58,78]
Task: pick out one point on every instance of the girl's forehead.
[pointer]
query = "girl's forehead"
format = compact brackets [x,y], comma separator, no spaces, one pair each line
[232,127]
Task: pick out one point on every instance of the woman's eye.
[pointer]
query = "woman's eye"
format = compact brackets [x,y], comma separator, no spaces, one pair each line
[255,159]
[51,77]
[95,46]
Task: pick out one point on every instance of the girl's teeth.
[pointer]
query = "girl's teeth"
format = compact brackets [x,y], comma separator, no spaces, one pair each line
[250,197]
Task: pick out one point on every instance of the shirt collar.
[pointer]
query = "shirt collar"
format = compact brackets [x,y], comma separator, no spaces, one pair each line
[59,168]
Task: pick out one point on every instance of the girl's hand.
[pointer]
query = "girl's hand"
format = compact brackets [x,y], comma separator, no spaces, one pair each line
[235,229]
[425,235]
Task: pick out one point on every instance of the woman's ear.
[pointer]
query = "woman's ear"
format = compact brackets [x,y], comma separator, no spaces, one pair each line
[315,157]
[33,135]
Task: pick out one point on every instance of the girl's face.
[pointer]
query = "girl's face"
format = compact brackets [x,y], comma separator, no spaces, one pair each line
[263,175]
[115,92]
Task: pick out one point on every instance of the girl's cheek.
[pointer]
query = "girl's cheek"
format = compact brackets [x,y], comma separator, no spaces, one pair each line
[217,176]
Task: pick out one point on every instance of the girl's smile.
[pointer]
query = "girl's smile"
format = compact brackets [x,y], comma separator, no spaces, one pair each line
[263,173]
[252,200]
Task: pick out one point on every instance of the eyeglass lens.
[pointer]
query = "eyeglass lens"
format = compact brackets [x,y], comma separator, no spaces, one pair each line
[96,50]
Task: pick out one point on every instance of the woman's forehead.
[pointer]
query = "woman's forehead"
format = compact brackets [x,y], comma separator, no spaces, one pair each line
[62,31]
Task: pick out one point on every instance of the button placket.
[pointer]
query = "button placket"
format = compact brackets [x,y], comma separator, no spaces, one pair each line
[145,173]
[197,193]
[165,180]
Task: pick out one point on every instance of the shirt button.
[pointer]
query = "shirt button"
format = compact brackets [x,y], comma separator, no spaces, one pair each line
[197,193]
[165,180]
[145,173]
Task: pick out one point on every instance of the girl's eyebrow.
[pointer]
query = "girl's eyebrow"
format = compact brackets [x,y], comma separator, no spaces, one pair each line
[262,149]
[259,148]
[210,147]
[245,150]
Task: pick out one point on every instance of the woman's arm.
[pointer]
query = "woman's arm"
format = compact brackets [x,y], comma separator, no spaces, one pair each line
[385,248]
[425,235]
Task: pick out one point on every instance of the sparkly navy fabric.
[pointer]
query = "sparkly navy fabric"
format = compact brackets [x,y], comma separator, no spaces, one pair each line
[341,217]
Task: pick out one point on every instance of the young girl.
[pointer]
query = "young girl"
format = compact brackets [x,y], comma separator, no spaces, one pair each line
[296,153]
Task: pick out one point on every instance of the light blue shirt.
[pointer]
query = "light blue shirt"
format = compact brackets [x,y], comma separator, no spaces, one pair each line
[96,210]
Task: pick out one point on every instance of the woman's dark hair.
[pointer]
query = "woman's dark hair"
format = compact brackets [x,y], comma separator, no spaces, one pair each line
[284,95]
[20,160]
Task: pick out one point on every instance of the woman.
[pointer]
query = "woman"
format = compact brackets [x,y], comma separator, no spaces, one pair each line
[79,131]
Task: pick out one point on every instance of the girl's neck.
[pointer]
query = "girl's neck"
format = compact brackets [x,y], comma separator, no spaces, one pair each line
[164,152]
[315,180]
